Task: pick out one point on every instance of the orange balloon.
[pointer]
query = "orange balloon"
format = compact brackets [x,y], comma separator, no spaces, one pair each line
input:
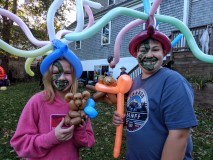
[102,96]
[124,84]
[108,89]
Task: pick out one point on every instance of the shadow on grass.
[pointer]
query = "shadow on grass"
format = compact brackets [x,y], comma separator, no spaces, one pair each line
[15,97]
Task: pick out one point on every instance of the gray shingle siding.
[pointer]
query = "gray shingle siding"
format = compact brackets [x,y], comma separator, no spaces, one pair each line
[201,13]
[173,8]
[105,5]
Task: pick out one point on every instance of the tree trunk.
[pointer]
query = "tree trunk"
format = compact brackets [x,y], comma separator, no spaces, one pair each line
[6,33]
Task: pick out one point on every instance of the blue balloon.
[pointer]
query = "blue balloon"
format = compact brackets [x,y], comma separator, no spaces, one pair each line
[157,24]
[176,40]
[90,108]
[91,112]
[49,60]
[147,6]
[61,49]
[91,102]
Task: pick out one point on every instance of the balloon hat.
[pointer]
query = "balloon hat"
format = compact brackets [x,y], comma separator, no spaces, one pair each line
[150,32]
[61,50]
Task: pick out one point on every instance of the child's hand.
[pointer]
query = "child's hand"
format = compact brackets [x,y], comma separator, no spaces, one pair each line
[83,122]
[63,134]
[117,119]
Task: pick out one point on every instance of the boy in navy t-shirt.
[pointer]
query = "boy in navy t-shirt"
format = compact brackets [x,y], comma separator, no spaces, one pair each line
[159,114]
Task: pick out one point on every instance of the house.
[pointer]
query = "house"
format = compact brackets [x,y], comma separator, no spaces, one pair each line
[93,52]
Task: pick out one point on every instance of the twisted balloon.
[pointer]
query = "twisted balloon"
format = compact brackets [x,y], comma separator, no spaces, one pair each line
[46,46]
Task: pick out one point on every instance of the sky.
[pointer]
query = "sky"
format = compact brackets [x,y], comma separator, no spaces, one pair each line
[21,1]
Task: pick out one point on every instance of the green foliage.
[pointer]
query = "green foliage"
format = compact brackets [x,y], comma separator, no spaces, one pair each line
[12,102]
[33,14]
[200,82]
[203,134]
[15,97]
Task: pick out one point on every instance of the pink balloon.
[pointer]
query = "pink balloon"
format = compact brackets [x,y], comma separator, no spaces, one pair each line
[120,37]
[154,7]
[24,27]
[126,29]
[90,14]
[61,33]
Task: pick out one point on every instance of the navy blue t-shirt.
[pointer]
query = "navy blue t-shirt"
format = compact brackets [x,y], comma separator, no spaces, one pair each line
[155,105]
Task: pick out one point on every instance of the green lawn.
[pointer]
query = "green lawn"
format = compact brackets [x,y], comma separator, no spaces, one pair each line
[15,97]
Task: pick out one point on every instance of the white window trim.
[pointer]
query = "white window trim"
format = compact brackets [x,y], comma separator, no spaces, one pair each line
[109,36]
[76,45]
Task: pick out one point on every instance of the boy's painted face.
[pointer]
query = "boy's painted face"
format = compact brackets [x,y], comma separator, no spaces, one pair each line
[150,55]
[62,75]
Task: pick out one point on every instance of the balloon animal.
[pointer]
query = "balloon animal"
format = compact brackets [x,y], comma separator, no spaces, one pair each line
[123,85]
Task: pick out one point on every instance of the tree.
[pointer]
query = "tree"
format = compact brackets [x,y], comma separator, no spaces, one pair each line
[33,13]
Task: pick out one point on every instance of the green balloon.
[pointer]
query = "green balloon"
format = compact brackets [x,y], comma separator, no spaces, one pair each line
[188,36]
[103,21]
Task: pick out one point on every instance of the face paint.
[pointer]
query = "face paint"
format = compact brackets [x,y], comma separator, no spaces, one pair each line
[59,85]
[146,63]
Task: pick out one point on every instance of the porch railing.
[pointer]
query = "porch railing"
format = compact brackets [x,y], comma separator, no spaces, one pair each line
[135,71]
[197,32]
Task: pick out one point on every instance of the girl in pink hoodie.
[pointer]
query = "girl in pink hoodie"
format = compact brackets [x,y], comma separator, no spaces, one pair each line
[38,135]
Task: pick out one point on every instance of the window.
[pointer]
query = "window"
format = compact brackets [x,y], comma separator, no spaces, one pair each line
[105,34]
[111,2]
[101,70]
[78,45]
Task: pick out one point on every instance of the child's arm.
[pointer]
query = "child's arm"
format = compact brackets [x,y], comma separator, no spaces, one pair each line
[175,145]
[27,141]
[84,136]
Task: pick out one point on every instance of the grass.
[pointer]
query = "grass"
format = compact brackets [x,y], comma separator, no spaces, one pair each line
[15,97]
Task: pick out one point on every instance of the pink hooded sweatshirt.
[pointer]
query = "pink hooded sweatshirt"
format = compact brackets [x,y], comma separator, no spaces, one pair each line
[35,138]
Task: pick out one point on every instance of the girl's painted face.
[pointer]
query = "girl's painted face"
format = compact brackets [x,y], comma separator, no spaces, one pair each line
[62,75]
[150,55]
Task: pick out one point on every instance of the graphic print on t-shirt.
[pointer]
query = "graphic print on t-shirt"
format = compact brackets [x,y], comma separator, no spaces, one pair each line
[55,119]
[137,110]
